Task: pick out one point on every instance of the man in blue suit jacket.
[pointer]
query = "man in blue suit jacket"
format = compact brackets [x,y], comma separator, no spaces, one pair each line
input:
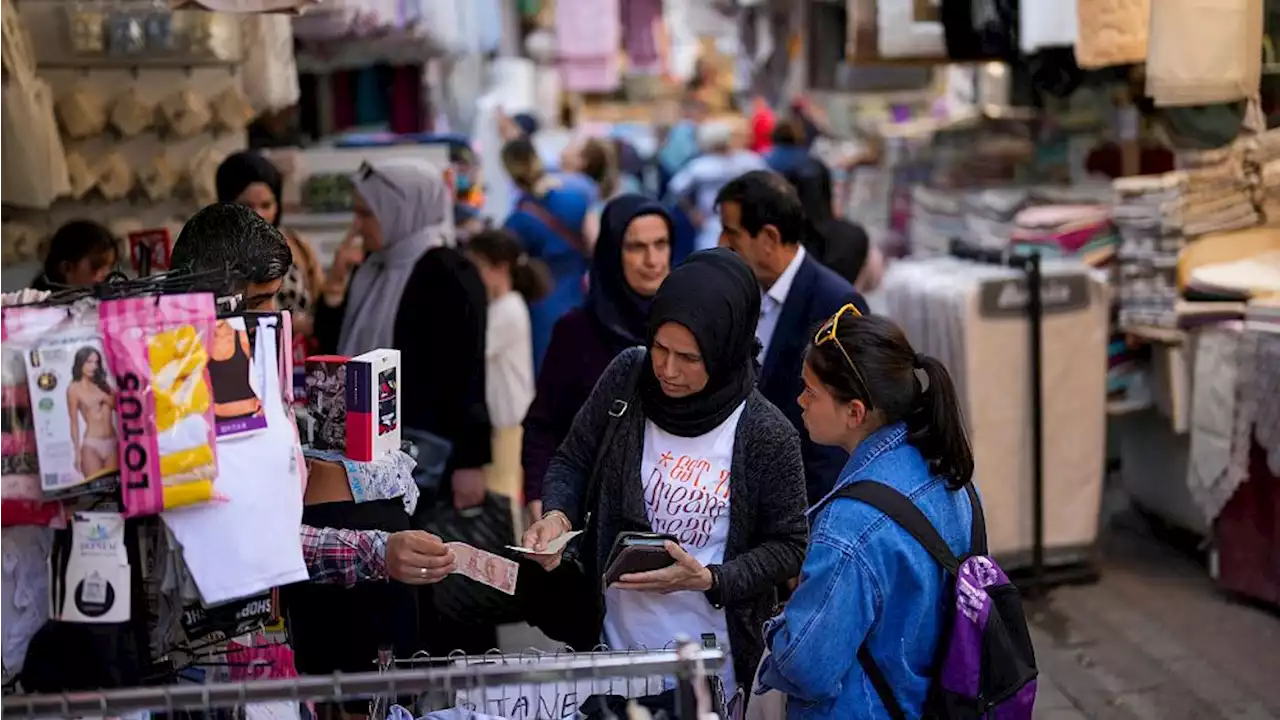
[763,222]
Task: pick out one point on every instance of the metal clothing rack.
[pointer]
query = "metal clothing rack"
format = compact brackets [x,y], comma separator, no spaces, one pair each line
[1038,577]
[688,664]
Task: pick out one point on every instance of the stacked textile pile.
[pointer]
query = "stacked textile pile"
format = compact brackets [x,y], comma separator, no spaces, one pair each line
[1262,162]
[936,219]
[1083,231]
[989,215]
[1217,192]
[1144,212]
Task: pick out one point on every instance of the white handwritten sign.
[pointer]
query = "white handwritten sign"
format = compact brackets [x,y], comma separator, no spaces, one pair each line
[551,700]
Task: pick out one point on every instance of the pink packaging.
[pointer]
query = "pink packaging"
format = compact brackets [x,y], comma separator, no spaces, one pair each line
[158,349]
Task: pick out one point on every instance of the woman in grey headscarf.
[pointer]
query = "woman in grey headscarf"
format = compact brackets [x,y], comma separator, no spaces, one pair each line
[417,294]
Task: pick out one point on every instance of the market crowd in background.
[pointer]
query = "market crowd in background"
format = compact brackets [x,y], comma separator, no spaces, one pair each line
[689,287]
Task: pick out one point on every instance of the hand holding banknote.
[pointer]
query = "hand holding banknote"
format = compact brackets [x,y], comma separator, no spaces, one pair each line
[541,539]
[486,568]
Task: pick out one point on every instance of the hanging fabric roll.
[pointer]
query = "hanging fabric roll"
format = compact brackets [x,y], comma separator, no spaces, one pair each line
[1201,53]
[1112,32]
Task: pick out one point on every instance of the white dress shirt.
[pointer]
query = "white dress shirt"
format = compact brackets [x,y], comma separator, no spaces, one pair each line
[772,300]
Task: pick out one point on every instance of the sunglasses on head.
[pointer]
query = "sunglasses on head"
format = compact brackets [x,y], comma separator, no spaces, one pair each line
[367,171]
[827,333]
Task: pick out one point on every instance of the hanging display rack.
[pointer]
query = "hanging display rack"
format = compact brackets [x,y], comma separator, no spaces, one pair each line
[688,664]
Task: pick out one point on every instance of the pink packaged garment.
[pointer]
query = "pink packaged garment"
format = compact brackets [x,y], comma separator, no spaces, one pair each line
[263,659]
[21,500]
[158,348]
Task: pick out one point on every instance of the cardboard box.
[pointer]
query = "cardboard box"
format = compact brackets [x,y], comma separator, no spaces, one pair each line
[327,401]
[373,404]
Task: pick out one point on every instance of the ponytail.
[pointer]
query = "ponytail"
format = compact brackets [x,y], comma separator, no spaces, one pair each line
[886,375]
[936,425]
[531,278]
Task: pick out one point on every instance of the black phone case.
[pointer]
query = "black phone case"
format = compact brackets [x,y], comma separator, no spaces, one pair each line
[625,558]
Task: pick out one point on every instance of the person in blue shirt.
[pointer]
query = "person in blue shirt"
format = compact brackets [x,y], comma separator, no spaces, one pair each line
[865,580]
[551,218]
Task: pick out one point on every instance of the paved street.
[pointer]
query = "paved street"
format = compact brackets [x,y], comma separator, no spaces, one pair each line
[1153,640]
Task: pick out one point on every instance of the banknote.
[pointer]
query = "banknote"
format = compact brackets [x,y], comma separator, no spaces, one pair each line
[485,567]
[553,547]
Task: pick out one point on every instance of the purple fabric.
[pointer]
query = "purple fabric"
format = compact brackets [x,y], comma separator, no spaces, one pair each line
[963,664]
[577,355]
[638,41]
[1018,707]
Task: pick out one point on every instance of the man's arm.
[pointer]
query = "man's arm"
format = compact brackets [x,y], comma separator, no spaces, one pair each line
[344,557]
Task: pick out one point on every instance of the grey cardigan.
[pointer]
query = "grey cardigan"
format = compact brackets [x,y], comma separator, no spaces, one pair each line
[767,527]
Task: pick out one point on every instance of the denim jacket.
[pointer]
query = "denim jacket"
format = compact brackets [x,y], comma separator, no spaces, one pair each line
[865,578]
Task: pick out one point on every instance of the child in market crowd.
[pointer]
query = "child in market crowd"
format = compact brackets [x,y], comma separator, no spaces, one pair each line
[81,253]
[513,280]
[896,412]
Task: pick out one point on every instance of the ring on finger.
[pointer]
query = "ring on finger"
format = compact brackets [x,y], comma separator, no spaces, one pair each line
[422,572]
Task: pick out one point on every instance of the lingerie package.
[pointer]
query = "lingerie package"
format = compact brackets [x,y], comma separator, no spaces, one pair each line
[116,176]
[82,112]
[186,113]
[130,114]
[231,110]
[159,348]
[82,175]
[21,501]
[70,396]
[157,178]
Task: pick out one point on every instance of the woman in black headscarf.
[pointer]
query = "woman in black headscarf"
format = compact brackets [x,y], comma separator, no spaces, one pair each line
[696,453]
[632,257]
[252,180]
[839,244]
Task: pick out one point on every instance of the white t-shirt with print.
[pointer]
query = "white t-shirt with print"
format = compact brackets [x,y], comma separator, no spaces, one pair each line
[687,495]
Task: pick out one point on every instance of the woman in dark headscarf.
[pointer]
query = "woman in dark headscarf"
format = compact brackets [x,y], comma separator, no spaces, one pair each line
[702,457]
[252,180]
[632,258]
[839,244]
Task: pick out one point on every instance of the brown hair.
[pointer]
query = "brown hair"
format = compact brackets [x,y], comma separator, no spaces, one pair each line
[531,278]
[520,158]
[886,381]
[789,131]
[600,163]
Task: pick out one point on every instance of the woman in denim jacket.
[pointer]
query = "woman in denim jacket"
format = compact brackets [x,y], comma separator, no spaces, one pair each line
[865,580]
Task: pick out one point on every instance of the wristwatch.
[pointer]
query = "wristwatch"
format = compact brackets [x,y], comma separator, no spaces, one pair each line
[713,593]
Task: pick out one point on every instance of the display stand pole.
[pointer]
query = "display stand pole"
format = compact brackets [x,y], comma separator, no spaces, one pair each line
[1031,265]
[1040,577]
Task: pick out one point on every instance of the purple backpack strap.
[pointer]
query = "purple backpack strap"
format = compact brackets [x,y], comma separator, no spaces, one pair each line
[906,514]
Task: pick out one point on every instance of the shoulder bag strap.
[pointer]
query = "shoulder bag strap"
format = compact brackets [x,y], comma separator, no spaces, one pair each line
[978,526]
[902,511]
[573,237]
[619,407]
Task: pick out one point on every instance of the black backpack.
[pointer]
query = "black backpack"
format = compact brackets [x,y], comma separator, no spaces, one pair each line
[986,664]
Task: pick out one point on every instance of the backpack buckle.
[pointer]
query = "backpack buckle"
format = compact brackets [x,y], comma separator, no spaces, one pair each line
[618,409]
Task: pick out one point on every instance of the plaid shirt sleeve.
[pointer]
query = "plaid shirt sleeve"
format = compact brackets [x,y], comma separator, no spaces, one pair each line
[344,557]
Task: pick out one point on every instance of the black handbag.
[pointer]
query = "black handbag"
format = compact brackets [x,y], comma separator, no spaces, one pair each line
[566,603]
[488,526]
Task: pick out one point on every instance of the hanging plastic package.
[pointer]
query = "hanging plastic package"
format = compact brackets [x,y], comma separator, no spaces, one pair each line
[158,348]
[21,501]
[71,396]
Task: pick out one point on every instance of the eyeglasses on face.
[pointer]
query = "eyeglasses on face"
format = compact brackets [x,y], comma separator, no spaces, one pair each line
[827,333]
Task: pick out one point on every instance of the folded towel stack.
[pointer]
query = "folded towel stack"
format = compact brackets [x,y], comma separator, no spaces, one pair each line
[989,215]
[1262,162]
[1145,212]
[936,218]
[1083,231]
